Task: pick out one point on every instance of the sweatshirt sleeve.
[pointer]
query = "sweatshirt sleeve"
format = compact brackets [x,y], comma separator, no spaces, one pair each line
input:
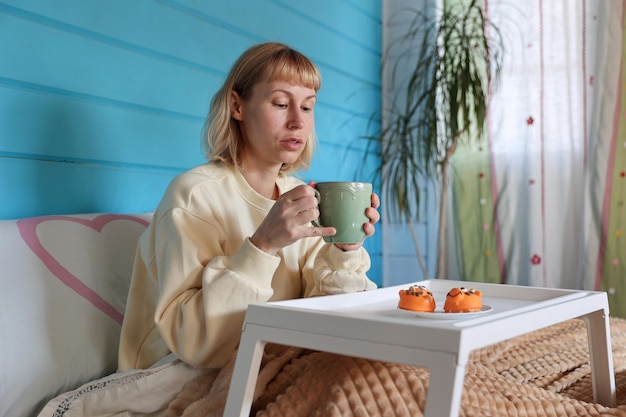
[336,271]
[203,293]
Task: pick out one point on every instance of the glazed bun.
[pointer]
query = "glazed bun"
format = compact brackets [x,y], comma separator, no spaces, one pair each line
[417,298]
[462,300]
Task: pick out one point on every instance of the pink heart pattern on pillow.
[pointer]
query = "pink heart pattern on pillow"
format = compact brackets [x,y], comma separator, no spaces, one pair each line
[28,230]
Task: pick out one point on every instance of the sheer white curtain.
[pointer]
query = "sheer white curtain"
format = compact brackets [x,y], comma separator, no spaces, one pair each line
[538,201]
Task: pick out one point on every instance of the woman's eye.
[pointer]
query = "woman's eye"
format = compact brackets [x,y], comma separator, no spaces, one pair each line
[281,105]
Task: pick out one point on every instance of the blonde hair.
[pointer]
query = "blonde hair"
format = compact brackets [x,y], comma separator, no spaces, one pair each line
[222,136]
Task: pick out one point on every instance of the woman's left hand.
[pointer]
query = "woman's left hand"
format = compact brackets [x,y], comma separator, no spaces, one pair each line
[374,216]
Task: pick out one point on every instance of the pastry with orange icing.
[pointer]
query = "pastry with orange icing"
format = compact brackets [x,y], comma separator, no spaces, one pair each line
[417,298]
[462,300]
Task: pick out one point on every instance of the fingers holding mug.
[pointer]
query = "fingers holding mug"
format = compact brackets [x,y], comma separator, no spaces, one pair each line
[372,212]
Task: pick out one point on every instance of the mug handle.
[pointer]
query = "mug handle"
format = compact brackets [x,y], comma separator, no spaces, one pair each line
[316,222]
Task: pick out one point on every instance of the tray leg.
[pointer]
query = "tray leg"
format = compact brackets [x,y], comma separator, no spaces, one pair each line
[245,374]
[445,388]
[601,356]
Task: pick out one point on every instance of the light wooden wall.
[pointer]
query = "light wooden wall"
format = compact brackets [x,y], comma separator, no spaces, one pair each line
[102,102]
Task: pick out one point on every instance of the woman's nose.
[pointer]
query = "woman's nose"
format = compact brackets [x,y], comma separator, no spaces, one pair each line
[296,121]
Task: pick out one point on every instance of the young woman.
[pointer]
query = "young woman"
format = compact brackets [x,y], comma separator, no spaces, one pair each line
[237,229]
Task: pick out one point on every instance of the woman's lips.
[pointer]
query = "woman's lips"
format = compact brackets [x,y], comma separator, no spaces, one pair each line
[293,144]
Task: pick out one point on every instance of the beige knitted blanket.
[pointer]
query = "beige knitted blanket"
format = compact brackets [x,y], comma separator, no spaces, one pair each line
[544,373]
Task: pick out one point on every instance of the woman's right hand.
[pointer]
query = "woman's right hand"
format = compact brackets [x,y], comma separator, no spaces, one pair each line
[289,221]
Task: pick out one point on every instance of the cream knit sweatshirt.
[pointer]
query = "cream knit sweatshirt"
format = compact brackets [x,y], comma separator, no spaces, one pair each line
[196,271]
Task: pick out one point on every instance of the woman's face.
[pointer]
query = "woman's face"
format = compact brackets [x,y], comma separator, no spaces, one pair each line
[276,121]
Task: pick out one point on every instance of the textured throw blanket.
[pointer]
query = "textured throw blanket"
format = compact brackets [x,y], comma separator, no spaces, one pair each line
[544,373]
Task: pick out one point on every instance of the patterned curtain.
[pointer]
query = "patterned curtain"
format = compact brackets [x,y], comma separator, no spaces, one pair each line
[541,199]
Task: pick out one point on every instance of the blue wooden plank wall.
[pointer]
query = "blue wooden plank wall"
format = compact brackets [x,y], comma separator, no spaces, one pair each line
[102,102]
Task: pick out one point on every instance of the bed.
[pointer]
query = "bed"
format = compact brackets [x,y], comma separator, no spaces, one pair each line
[65,280]
[543,373]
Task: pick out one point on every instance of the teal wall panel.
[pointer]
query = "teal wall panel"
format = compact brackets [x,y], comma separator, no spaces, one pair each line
[49,122]
[102,102]
[34,187]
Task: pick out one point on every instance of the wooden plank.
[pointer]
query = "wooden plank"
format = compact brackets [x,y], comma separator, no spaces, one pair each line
[148,27]
[38,123]
[97,71]
[33,188]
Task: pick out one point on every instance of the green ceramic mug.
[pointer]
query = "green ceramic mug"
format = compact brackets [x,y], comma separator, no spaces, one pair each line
[342,206]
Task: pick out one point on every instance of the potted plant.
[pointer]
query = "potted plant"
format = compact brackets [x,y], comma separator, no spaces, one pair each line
[441,70]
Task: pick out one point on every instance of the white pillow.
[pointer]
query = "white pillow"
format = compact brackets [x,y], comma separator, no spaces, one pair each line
[63,287]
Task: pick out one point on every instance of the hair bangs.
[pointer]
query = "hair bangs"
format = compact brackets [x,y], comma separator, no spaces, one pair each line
[293,67]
